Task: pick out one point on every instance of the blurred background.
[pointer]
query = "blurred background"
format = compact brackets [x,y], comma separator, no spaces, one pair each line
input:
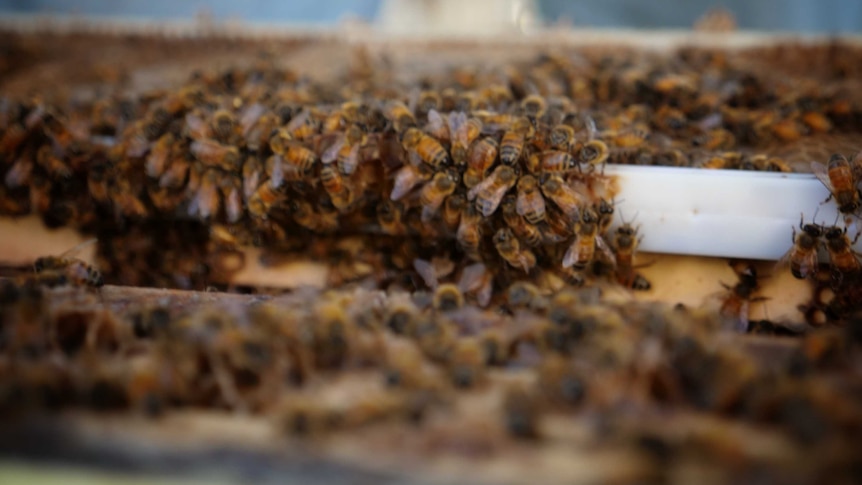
[810,16]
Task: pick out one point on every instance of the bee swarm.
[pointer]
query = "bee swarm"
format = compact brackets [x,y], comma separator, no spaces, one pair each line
[478,299]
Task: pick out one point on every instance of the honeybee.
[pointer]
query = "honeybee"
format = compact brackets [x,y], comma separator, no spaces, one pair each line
[625,244]
[715,139]
[490,191]
[509,248]
[231,188]
[426,148]
[452,209]
[480,158]
[399,115]
[736,301]
[408,177]
[521,414]
[304,214]
[333,182]
[530,203]
[159,155]
[605,211]
[65,268]
[224,126]
[670,119]
[302,126]
[205,202]
[214,154]
[467,363]
[389,216]
[552,161]
[469,234]
[838,177]
[587,239]
[724,160]
[97,181]
[594,152]
[561,137]
[845,261]
[263,198]
[534,106]
[19,173]
[628,139]
[447,297]
[252,175]
[434,192]
[477,280]
[523,229]
[774,164]
[802,257]
[463,132]
[512,143]
[48,160]
[437,126]
[561,194]
[300,157]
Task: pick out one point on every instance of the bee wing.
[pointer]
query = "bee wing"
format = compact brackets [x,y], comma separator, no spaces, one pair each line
[471,277]
[77,249]
[298,120]
[606,250]
[524,204]
[436,125]
[456,121]
[571,255]
[426,271]
[482,185]
[405,179]
[494,201]
[822,173]
[330,154]
[250,116]
[233,205]
[276,172]
[349,165]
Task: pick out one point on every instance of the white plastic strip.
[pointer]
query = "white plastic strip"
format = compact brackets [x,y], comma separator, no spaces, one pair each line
[723,213]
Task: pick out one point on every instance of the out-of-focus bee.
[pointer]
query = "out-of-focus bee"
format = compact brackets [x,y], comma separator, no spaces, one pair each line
[490,191]
[628,139]
[480,158]
[304,214]
[467,363]
[773,164]
[522,229]
[300,157]
[845,261]
[534,106]
[263,198]
[205,202]
[333,182]
[435,192]
[389,216]
[48,160]
[789,129]
[399,115]
[97,181]
[530,203]
[214,154]
[159,155]
[715,139]
[594,152]
[625,242]
[802,257]
[426,148]
[561,194]
[669,119]
[509,248]
[71,270]
[521,414]
[512,143]
[345,151]
[469,234]
[816,122]
[838,177]
[302,126]
[462,132]
[552,161]
[408,177]
[437,126]
[724,160]
[126,200]
[453,207]
[230,187]
[477,280]
[447,297]
[736,301]
[252,176]
[587,239]
[224,126]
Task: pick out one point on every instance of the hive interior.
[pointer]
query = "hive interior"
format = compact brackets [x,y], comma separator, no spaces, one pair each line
[458,327]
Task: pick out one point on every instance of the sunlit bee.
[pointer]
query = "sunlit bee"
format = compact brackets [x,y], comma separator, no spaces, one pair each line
[428,149]
[838,177]
[587,239]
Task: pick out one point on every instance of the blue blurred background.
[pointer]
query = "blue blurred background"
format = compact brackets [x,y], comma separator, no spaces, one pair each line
[820,16]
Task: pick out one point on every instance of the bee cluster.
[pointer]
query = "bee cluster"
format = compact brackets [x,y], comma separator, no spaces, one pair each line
[498,169]
[457,376]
